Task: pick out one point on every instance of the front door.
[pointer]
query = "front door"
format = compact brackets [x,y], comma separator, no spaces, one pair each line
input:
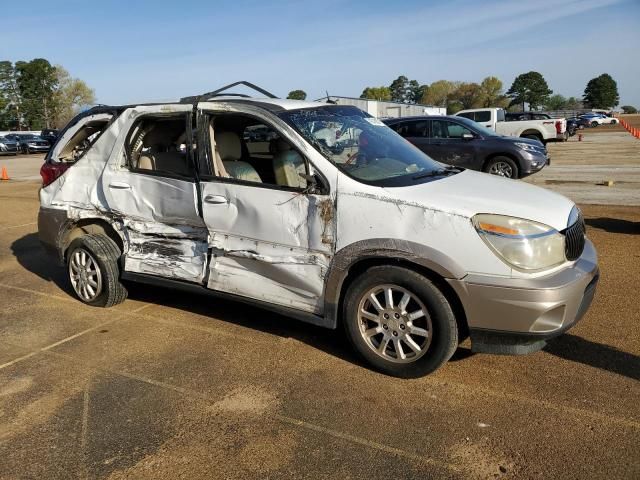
[271,231]
[447,144]
[149,187]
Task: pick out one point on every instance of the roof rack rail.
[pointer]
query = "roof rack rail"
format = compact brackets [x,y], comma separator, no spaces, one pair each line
[218,93]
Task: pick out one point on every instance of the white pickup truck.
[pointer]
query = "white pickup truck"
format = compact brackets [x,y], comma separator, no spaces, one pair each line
[494,118]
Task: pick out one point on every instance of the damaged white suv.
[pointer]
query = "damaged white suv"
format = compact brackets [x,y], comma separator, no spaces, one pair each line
[318,211]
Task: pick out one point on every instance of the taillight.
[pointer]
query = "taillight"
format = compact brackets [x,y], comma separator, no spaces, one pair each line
[50,171]
[559,127]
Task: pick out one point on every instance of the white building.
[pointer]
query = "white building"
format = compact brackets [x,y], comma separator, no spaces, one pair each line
[381,109]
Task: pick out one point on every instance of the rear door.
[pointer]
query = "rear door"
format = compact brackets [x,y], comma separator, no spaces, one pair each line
[416,131]
[448,145]
[149,188]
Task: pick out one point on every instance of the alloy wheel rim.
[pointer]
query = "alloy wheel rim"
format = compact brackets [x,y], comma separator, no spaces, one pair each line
[85,275]
[394,323]
[502,169]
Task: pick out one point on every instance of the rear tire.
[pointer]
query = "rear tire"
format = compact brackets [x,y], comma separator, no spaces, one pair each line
[503,167]
[92,268]
[533,137]
[416,329]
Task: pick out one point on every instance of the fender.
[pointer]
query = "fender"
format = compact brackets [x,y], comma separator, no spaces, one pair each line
[381,248]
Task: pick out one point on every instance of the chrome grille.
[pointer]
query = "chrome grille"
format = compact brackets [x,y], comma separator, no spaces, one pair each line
[574,239]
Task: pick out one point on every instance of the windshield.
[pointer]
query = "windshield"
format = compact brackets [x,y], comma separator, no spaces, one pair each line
[361,146]
[475,126]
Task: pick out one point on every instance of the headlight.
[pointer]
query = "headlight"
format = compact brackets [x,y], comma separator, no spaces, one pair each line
[523,244]
[528,147]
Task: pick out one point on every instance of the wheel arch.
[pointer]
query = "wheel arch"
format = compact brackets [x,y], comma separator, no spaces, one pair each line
[85,226]
[532,131]
[501,154]
[353,260]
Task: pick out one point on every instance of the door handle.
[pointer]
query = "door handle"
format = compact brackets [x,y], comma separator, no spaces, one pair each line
[119,186]
[216,199]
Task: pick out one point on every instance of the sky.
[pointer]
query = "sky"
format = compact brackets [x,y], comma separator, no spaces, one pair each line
[143,51]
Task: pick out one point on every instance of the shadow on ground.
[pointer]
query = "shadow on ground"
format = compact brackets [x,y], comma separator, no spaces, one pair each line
[598,355]
[614,225]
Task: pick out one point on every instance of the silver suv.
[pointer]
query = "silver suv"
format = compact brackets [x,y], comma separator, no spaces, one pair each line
[410,255]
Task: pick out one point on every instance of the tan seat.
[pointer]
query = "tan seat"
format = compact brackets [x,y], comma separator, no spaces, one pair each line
[288,165]
[229,150]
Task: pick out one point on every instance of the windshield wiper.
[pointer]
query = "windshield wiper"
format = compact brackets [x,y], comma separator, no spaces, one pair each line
[449,170]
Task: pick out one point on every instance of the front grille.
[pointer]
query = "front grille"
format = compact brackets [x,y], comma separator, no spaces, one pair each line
[574,239]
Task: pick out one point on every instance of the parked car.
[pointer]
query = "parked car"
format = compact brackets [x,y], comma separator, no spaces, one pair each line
[544,130]
[572,126]
[409,256]
[461,142]
[29,143]
[50,135]
[8,146]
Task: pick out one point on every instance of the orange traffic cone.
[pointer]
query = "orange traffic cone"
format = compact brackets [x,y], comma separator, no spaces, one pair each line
[4,176]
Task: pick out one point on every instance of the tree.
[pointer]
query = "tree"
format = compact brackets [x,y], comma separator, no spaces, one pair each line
[376,93]
[10,113]
[439,92]
[531,88]
[601,92]
[492,95]
[468,95]
[398,88]
[629,109]
[70,96]
[37,81]
[556,102]
[406,91]
[573,104]
[297,95]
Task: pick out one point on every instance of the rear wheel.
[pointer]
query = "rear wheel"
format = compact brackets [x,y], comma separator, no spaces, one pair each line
[503,167]
[92,267]
[399,321]
[533,136]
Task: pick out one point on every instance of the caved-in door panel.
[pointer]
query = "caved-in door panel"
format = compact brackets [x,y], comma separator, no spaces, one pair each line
[166,237]
[269,244]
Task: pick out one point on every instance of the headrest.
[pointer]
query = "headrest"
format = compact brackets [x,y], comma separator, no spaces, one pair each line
[229,146]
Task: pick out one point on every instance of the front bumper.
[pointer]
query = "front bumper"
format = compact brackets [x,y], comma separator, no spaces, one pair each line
[534,162]
[9,149]
[517,316]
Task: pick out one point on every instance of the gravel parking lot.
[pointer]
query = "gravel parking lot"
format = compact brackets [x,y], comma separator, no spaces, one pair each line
[172,385]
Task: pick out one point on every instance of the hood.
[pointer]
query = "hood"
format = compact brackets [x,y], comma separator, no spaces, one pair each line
[529,141]
[469,193]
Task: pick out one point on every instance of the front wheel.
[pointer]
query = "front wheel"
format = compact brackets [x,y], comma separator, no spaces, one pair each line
[399,321]
[503,167]
[92,267]
[594,124]
[25,150]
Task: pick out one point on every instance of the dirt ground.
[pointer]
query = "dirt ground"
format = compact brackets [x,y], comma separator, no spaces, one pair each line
[171,385]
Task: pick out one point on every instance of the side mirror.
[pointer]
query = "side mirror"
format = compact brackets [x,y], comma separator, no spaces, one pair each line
[468,136]
[315,184]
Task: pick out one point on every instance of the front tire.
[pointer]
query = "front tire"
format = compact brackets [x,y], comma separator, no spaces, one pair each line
[399,321]
[594,124]
[503,167]
[92,268]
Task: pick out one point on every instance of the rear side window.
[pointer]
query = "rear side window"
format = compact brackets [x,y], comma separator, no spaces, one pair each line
[78,139]
[159,145]
[417,128]
[447,129]
[469,115]
[483,116]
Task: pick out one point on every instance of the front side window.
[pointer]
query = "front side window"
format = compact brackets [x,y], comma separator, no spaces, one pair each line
[361,146]
[447,129]
[247,149]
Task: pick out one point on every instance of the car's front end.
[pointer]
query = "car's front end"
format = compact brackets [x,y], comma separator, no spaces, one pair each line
[34,145]
[532,155]
[518,315]
[8,146]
